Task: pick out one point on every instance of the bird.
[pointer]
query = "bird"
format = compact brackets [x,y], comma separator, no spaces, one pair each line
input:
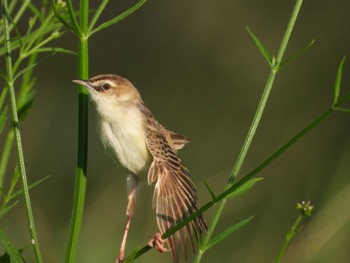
[132,136]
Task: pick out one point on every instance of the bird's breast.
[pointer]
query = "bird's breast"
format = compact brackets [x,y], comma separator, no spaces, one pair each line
[124,138]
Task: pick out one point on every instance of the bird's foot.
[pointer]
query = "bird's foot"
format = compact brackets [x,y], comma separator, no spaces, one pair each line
[158,243]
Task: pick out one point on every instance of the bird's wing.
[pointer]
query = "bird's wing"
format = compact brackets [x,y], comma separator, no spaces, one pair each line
[175,196]
[178,140]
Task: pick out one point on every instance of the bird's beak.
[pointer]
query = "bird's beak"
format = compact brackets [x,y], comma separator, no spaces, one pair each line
[82,82]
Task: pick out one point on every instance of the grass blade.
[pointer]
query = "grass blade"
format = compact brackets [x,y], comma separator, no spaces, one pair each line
[3,118]
[131,257]
[244,187]
[53,50]
[3,96]
[298,54]
[5,210]
[260,46]
[19,192]
[227,232]
[15,256]
[210,191]
[62,19]
[97,14]
[118,18]
[337,82]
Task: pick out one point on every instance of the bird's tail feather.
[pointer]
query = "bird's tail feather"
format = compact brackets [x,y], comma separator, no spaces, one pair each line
[175,198]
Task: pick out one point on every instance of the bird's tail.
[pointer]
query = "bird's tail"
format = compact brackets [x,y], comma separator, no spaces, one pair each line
[175,198]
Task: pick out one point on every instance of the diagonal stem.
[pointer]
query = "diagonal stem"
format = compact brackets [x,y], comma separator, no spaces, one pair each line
[253,127]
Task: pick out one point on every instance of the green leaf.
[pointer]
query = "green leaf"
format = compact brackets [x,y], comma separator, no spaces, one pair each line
[342,109]
[24,110]
[72,15]
[298,54]
[62,19]
[15,194]
[31,24]
[21,72]
[337,82]
[35,11]
[131,257]
[53,50]
[3,74]
[227,232]
[244,187]
[210,191]
[260,46]
[119,17]
[3,96]
[5,210]
[97,14]
[14,254]
[3,118]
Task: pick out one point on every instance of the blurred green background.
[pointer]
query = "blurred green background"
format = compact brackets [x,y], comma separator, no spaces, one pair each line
[201,75]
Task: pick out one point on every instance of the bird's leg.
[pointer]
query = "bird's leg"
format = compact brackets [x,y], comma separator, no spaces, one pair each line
[157,242]
[131,185]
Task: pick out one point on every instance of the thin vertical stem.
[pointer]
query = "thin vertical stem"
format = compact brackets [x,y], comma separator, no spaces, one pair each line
[80,179]
[289,236]
[253,127]
[17,135]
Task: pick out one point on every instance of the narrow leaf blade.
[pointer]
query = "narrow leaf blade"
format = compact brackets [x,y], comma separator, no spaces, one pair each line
[210,191]
[97,14]
[119,17]
[7,209]
[62,19]
[228,232]
[244,187]
[15,194]
[3,119]
[131,257]
[3,96]
[10,249]
[54,50]
[260,46]
[337,82]
[298,54]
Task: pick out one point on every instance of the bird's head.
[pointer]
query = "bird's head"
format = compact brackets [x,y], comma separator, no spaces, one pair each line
[110,88]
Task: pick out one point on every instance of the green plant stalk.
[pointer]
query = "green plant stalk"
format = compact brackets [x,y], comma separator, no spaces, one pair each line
[17,135]
[252,129]
[291,233]
[80,179]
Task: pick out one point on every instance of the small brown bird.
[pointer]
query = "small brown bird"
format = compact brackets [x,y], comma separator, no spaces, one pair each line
[140,143]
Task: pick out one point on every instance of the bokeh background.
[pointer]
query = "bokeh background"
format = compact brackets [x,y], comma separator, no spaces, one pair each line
[201,75]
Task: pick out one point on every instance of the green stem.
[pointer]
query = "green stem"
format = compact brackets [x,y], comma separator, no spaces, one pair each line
[290,235]
[253,127]
[80,179]
[17,135]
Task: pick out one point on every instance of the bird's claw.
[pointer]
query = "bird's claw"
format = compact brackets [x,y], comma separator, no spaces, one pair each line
[157,242]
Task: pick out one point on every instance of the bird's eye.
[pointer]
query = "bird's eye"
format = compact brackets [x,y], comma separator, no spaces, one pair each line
[106,86]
